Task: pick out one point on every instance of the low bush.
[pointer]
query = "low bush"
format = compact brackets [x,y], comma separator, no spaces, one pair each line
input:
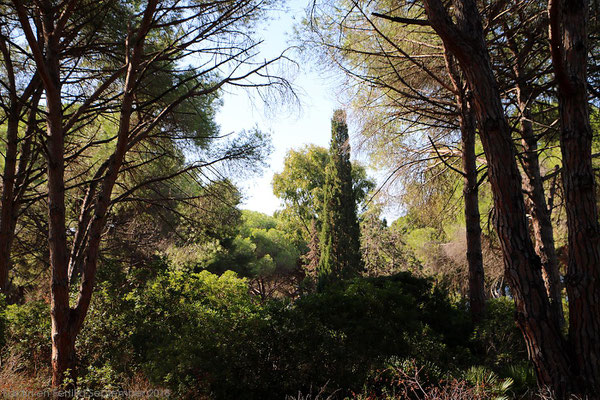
[203,335]
[27,335]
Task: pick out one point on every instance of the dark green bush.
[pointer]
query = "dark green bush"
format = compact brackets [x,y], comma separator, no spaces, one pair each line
[204,335]
[497,339]
[201,333]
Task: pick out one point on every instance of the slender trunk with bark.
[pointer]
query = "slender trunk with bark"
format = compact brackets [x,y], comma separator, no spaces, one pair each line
[7,203]
[467,122]
[63,342]
[45,47]
[568,38]
[75,317]
[7,215]
[472,216]
[14,177]
[535,200]
[67,321]
[545,343]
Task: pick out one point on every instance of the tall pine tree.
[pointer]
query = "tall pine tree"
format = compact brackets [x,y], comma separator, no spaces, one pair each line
[340,246]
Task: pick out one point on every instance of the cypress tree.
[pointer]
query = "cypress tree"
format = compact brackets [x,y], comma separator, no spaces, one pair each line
[340,232]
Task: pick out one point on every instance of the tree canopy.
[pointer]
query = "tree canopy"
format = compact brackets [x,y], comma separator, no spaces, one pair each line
[129,263]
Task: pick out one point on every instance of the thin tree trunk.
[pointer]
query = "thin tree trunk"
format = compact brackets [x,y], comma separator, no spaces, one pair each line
[9,173]
[103,198]
[48,67]
[470,192]
[545,343]
[7,214]
[543,233]
[472,216]
[14,183]
[568,38]
[66,321]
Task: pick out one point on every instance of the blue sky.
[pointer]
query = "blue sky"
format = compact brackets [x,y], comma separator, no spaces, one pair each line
[290,127]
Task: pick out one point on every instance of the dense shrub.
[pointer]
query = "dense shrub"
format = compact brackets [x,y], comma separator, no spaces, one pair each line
[497,337]
[27,334]
[205,333]
[2,321]
[205,336]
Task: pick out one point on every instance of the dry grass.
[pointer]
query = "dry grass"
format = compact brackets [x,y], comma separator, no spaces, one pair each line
[14,379]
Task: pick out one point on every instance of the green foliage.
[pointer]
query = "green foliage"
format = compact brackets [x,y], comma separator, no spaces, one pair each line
[212,215]
[259,249]
[488,381]
[28,333]
[186,327]
[3,321]
[104,346]
[204,335]
[300,187]
[340,231]
[497,337]
[300,184]
[397,315]
[522,376]
[201,334]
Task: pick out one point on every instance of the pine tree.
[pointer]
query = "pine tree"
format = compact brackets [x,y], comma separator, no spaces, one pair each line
[340,245]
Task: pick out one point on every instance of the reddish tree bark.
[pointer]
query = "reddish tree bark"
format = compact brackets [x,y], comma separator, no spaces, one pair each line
[535,319]
[67,321]
[472,215]
[535,199]
[48,66]
[541,224]
[55,38]
[568,39]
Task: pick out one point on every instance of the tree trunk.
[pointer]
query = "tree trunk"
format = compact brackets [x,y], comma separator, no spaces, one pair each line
[543,233]
[535,199]
[14,181]
[57,239]
[568,37]
[7,215]
[48,66]
[470,192]
[9,173]
[66,321]
[545,343]
[75,318]
[472,216]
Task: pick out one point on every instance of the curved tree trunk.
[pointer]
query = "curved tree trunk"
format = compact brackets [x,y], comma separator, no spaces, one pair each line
[14,177]
[545,343]
[11,177]
[535,200]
